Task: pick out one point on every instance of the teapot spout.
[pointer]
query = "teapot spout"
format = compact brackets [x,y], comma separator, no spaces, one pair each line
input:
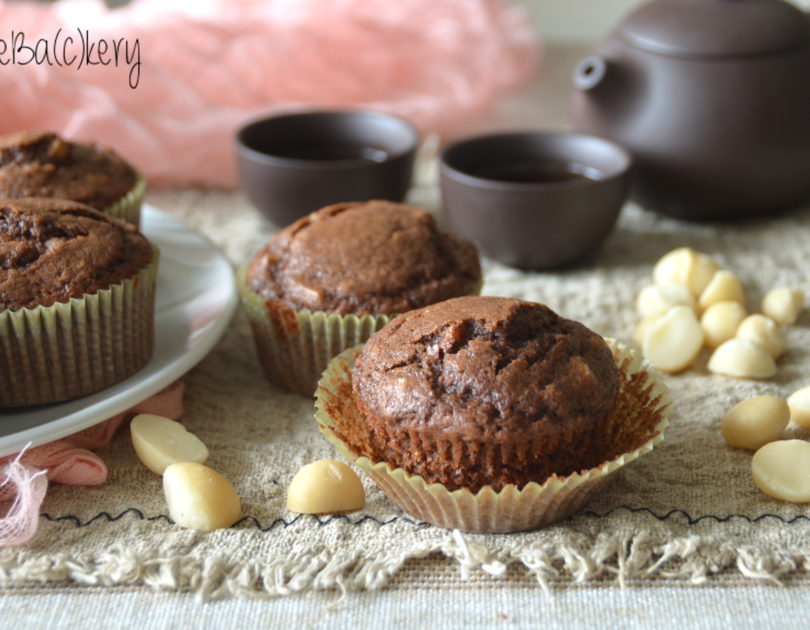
[590,72]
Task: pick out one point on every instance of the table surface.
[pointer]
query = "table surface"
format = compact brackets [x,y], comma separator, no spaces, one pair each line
[428,591]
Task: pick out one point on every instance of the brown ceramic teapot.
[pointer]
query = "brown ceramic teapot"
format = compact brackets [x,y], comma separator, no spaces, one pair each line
[713,99]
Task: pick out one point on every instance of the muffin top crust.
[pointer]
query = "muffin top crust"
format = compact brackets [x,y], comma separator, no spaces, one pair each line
[41,164]
[52,250]
[372,257]
[487,369]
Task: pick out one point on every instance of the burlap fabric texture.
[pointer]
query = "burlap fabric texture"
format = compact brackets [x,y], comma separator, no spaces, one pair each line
[688,512]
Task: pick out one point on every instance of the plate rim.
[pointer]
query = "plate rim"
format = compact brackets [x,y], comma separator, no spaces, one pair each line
[151,382]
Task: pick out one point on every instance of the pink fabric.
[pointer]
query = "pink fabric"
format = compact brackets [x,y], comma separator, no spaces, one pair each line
[26,475]
[210,65]
[19,525]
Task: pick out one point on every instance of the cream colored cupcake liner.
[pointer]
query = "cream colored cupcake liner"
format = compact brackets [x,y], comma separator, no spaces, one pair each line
[639,417]
[295,346]
[71,349]
[128,207]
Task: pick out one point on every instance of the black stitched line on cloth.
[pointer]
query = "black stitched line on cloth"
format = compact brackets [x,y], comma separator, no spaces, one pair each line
[105,515]
[694,521]
[279,521]
[329,519]
[342,517]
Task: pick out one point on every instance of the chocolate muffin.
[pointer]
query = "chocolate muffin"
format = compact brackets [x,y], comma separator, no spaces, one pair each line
[506,387]
[41,164]
[370,257]
[490,414]
[52,250]
[77,291]
[329,280]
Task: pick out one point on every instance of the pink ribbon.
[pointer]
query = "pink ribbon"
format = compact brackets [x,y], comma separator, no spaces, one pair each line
[68,461]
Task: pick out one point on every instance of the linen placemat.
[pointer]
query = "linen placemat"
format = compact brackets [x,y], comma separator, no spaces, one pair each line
[688,512]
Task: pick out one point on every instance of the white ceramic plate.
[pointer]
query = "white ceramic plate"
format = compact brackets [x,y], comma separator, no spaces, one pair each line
[196,297]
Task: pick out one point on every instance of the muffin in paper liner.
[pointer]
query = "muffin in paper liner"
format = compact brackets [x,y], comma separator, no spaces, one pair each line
[71,349]
[128,207]
[295,346]
[635,426]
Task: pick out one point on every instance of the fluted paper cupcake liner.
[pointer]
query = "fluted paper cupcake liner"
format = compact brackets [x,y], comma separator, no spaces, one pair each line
[295,346]
[635,426]
[71,349]
[128,207]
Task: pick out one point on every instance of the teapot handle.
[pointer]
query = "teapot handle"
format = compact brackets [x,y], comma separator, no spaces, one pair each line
[590,72]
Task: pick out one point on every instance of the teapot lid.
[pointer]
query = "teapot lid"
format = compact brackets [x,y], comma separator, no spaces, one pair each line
[717,27]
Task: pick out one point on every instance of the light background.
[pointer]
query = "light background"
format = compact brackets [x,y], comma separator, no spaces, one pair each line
[587,21]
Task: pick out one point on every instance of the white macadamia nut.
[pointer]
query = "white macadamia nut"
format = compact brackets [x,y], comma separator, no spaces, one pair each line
[702,273]
[685,266]
[324,487]
[799,403]
[720,322]
[783,305]
[673,341]
[674,266]
[656,299]
[764,331]
[642,326]
[724,287]
[742,358]
[200,498]
[782,470]
[754,422]
[161,442]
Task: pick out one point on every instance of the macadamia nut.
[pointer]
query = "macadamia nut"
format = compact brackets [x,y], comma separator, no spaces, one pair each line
[764,331]
[685,266]
[799,403]
[656,299]
[782,470]
[674,266]
[754,422]
[720,322]
[724,287]
[160,442]
[701,274]
[673,341]
[742,358]
[200,498]
[325,487]
[783,305]
[642,326]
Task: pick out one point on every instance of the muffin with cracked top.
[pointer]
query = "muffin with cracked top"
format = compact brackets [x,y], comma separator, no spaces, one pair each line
[77,294]
[514,385]
[490,414]
[329,280]
[43,164]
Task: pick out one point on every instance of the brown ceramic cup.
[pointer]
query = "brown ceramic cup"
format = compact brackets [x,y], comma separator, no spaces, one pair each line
[292,164]
[534,200]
